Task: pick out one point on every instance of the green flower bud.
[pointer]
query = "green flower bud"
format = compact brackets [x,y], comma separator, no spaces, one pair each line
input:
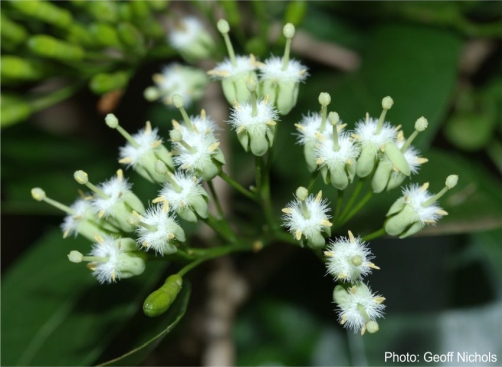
[11,31]
[13,109]
[103,82]
[160,300]
[105,35]
[104,10]
[44,11]
[53,48]
[130,36]
[78,34]
[13,67]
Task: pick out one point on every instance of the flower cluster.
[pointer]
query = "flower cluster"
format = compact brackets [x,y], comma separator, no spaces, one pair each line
[123,230]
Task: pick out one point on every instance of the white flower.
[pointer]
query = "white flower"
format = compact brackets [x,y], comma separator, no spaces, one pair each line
[234,73]
[186,81]
[254,130]
[309,126]
[115,190]
[307,217]
[73,223]
[196,148]
[226,69]
[111,259]
[271,69]
[366,132]
[147,140]
[184,195]
[142,150]
[191,39]
[358,307]
[159,231]
[416,208]
[349,258]
[415,196]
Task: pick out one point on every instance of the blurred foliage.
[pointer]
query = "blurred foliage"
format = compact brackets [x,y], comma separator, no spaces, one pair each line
[54,314]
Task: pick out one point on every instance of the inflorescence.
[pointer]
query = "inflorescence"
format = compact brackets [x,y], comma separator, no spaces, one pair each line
[124,231]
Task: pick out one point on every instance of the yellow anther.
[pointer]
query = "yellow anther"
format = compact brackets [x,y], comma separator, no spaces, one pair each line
[213,147]
[318,197]
[351,237]
[98,238]
[148,127]
[329,254]
[420,160]
[441,212]
[326,223]
[287,210]
[379,300]
[424,187]
[373,266]
[125,160]
[319,137]
[300,127]
[156,143]
[298,235]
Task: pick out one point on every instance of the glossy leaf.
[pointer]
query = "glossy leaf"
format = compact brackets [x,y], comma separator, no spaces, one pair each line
[58,314]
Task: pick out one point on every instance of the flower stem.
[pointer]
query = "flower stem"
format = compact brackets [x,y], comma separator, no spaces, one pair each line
[339,203]
[237,185]
[353,198]
[215,198]
[357,208]
[214,253]
[381,232]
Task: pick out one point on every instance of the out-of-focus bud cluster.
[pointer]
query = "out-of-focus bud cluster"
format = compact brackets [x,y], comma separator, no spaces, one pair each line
[89,42]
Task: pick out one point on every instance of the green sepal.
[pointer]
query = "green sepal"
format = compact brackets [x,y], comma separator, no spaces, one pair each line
[316,241]
[287,96]
[398,223]
[397,206]
[310,155]
[339,178]
[381,176]
[397,158]
[366,161]
[396,179]
[415,227]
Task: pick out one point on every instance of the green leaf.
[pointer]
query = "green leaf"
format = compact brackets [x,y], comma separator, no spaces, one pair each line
[159,327]
[57,313]
[416,66]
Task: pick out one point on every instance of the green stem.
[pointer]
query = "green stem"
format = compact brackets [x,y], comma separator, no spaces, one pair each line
[55,97]
[313,179]
[215,198]
[339,203]
[381,232]
[258,172]
[221,228]
[353,197]
[237,186]
[214,253]
[357,208]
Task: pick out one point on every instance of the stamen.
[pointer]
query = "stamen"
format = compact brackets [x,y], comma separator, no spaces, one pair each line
[179,104]
[387,103]
[39,195]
